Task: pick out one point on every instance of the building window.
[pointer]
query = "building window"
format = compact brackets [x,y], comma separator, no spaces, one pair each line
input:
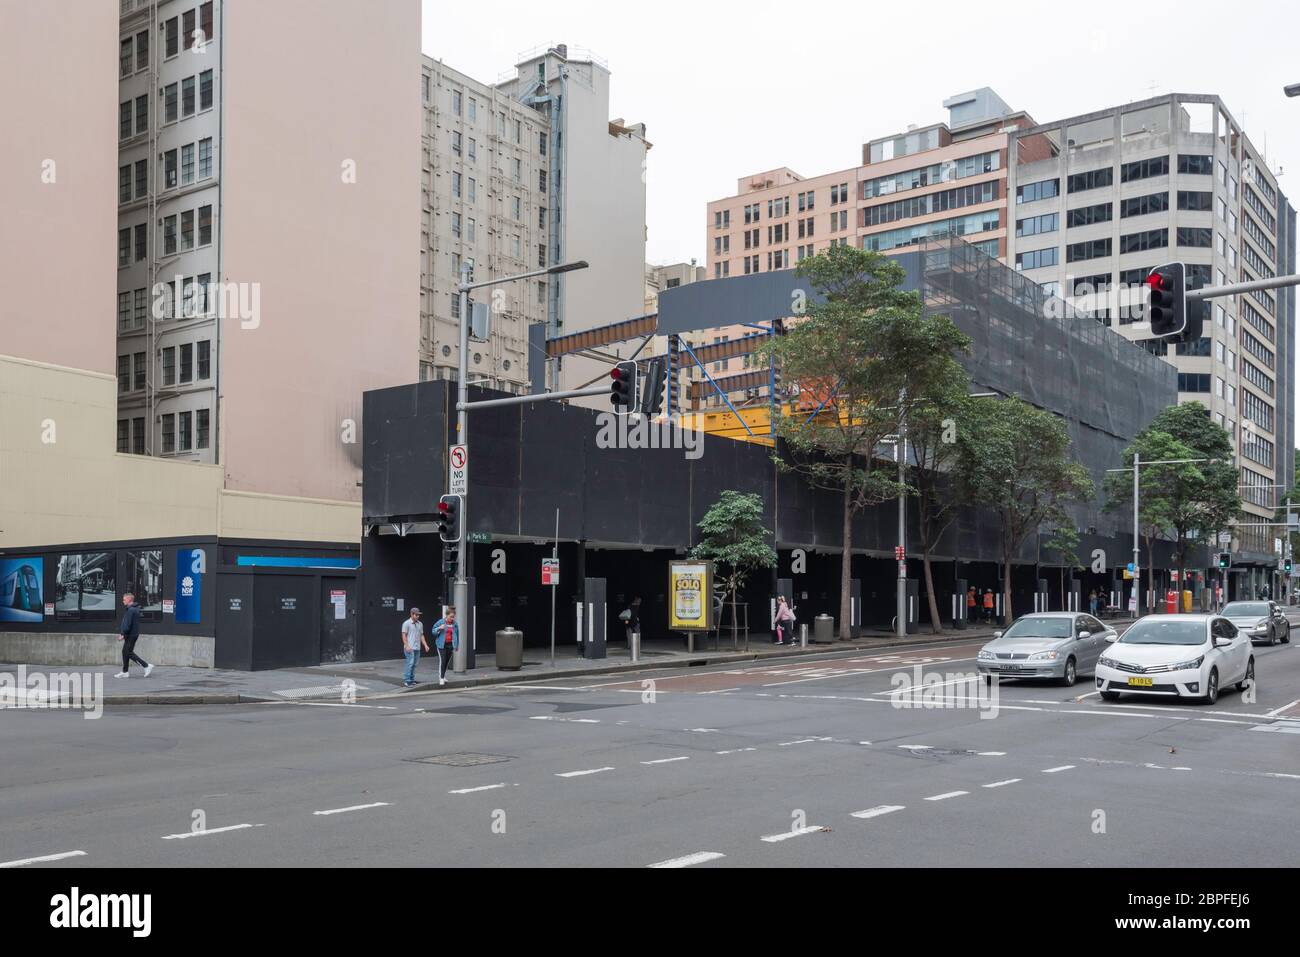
[141,305]
[1196,165]
[1150,239]
[169,433]
[205,158]
[1095,249]
[169,169]
[1088,215]
[141,113]
[141,241]
[541,180]
[455,225]
[141,178]
[205,359]
[1144,205]
[187,96]
[169,235]
[187,435]
[1144,169]
[455,101]
[169,366]
[123,374]
[473,109]
[124,435]
[1200,202]
[1194,382]
[473,190]
[201,435]
[172,36]
[142,49]
[1032,192]
[516,209]
[1036,225]
[137,436]
[1195,236]
[169,103]
[455,185]
[1093,179]
[187,362]
[205,90]
[138,371]
[205,225]
[455,142]
[187,164]
[124,120]
[125,57]
[1037,258]
[124,184]
[123,310]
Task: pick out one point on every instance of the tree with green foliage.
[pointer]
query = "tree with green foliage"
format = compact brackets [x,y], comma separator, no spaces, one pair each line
[933,433]
[735,538]
[1190,501]
[1017,462]
[870,353]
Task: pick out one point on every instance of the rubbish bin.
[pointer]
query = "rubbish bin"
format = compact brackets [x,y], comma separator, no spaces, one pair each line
[823,630]
[510,650]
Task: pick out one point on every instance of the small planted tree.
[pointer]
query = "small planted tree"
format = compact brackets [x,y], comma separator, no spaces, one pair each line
[735,538]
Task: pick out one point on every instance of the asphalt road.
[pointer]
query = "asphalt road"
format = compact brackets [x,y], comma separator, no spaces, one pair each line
[822,761]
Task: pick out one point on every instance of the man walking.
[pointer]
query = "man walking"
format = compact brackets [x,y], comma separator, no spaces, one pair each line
[988,605]
[127,634]
[412,640]
[447,640]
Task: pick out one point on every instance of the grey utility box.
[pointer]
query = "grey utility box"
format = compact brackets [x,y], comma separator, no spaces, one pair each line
[510,649]
[823,630]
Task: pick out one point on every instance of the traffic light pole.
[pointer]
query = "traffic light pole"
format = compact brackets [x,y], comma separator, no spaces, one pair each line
[460,594]
[1214,292]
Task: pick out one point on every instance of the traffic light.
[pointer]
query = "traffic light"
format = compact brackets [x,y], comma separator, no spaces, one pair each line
[622,392]
[1225,560]
[1286,566]
[652,393]
[1167,307]
[674,364]
[449,518]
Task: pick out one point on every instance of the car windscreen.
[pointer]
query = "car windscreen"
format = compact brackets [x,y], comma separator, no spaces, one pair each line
[1040,626]
[1155,632]
[1246,609]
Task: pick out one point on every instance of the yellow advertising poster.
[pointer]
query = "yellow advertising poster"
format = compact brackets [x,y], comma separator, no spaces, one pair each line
[690,596]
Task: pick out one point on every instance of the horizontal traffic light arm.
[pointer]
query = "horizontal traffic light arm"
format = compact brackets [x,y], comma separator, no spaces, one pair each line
[1214,292]
[530,399]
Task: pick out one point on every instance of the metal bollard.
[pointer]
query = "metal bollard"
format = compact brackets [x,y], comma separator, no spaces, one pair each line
[635,645]
[803,635]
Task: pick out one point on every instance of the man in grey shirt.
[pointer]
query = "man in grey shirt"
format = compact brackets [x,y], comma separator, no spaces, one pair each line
[412,640]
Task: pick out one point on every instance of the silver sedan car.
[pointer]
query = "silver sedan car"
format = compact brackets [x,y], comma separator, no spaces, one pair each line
[1259,620]
[1059,645]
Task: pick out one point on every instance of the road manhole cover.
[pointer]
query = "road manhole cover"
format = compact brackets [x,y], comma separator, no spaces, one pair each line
[462,760]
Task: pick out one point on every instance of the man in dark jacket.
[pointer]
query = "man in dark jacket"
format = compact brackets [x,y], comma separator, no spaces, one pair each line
[129,632]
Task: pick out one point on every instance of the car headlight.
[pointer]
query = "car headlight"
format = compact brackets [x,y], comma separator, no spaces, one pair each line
[1043,656]
[1261,627]
[1188,665]
[986,655]
[1107,662]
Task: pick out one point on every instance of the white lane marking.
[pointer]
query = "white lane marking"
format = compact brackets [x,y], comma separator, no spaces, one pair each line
[355,807]
[41,860]
[916,747]
[701,730]
[528,687]
[1226,721]
[946,795]
[988,754]
[1286,707]
[736,751]
[877,811]
[718,691]
[1279,774]
[685,757]
[786,744]
[578,774]
[918,689]
[1063,767]
[855,672]
[185,835]
[551,717]
[1284,728]
[701,857]
[864,742]
[797,832]
[334,704]
[485,787]
[1002,784]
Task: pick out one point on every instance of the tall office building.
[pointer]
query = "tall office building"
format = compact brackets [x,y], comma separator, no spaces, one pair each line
[1102,198]
[520,175]
[259,254]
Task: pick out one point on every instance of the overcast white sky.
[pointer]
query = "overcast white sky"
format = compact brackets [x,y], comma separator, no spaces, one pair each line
[728,89]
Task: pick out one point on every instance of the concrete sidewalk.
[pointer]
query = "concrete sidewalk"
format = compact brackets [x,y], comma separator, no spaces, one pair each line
[377,679]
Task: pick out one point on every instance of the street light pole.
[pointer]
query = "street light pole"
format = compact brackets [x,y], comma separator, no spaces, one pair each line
[1137,558]
[460,594]
[900,452]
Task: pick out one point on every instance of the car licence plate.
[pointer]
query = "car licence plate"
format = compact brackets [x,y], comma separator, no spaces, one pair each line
[1141,682]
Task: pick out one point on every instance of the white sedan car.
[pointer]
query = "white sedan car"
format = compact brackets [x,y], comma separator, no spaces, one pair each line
[1181,656]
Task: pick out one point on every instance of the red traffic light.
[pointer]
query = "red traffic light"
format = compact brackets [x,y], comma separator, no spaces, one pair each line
[1157,281]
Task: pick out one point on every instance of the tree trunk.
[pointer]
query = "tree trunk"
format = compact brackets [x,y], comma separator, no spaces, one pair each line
[1007,615]
[929,587]
[846,561]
